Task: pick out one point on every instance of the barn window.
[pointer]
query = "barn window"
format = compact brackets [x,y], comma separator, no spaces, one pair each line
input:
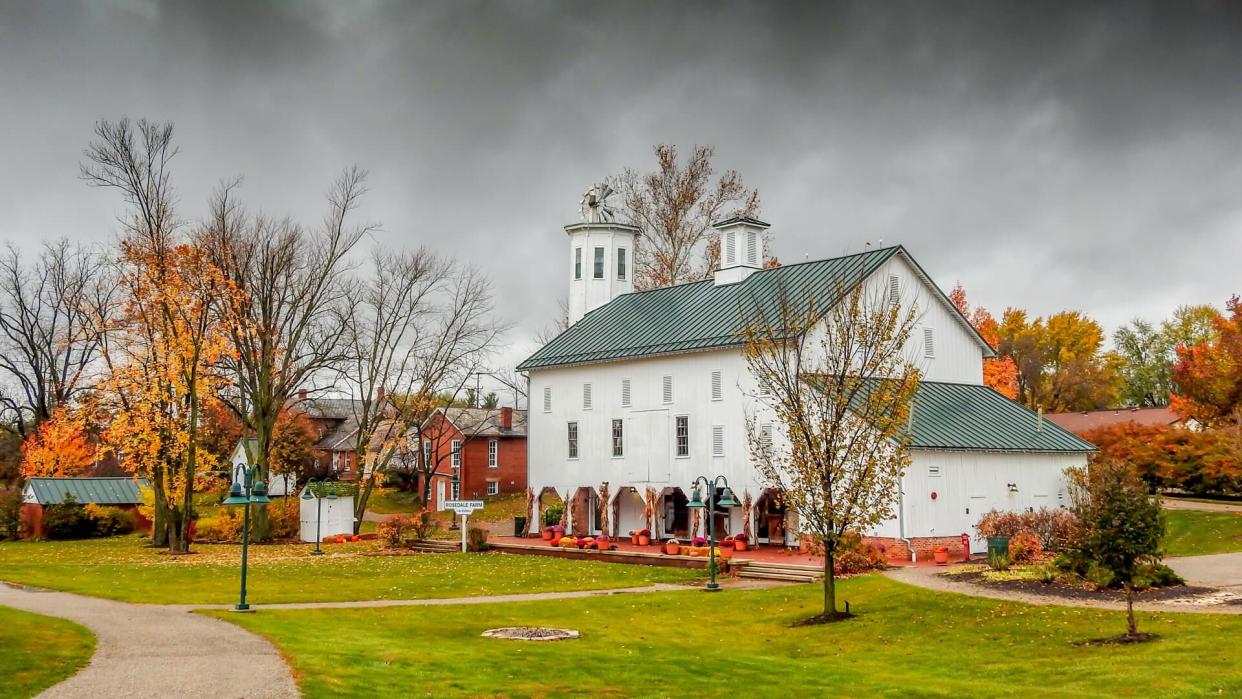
[618,438]
[683,435]
[598,271]
[573,440]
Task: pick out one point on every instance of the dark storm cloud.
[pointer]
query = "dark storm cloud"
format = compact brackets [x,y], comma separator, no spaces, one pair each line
[1045,155]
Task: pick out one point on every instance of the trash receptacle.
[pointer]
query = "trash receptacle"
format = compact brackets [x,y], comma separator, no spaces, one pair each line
[519,526]
[997,545]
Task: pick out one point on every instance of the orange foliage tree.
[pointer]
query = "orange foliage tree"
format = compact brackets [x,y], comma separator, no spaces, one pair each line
[59,447]
[1197,461]
[999,372]
[1208,375]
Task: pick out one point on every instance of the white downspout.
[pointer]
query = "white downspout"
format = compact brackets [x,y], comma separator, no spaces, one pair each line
[901,516]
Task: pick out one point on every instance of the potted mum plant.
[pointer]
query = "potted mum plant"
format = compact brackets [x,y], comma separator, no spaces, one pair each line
[603,543]
[644,537]
[634,537]
[672,547]
[740,542]
[941,555]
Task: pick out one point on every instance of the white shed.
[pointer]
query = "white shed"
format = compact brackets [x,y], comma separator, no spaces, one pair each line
[337,515]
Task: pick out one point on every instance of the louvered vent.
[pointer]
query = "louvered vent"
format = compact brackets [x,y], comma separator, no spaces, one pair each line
[668,389]
[547,399]
[752,247]
[894,289]
[730,249]
[929,343]
[765,437]
[717,440]
[586,396]
[717,391]
[625,393]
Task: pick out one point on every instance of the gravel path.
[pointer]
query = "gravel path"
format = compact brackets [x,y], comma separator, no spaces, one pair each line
[154,651]
[931,579]
[1180,504]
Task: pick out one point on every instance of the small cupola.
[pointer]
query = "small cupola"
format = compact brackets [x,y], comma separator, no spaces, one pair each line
[741,248]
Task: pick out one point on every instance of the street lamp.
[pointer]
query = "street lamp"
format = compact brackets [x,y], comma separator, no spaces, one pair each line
[696,500]
[253,492]
[307,495]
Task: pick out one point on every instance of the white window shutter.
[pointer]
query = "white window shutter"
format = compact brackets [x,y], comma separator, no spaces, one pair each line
[730,249]
[547,399]
[752,247]
[668,389]
[894,289]
[586,396]
[625,392]
[929,343]
[717,389]
[717,440]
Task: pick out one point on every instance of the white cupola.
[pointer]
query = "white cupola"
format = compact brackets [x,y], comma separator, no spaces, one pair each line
[741,248]
[601,255]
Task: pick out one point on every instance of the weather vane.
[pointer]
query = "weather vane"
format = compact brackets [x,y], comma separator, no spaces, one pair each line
[594,205]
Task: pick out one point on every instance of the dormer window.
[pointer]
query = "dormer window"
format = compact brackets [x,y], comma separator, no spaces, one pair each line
[599,264]
[577,263]
[621,264]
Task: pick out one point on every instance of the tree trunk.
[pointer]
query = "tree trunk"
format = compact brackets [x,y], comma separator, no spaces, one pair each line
[1132,625]
[260,526]
[830,584]
[159,525]
[364,495]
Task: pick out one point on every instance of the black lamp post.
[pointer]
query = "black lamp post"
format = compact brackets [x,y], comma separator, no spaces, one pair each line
[696,500]
[253,491]
[307,495]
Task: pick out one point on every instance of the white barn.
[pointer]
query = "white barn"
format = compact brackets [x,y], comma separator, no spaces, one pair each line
[645,391]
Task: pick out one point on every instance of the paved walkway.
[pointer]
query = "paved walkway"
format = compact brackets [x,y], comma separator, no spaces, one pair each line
[1220,570]
[154,651]
[931,579]
[1181,504]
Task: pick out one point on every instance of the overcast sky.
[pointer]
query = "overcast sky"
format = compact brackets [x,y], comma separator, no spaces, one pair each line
[1086,157]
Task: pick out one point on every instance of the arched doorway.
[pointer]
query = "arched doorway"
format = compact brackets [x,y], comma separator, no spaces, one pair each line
[676,515]
[628,510]
[770,518]
[584,511]
[549,504]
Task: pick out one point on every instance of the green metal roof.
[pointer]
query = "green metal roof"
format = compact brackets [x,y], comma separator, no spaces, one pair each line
[696,316]
[967,417]
[100,491]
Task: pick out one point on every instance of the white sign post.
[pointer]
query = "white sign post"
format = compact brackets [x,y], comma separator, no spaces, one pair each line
[463,508]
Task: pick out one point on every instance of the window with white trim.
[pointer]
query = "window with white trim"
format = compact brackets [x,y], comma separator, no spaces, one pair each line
[586,396]
[573,440]
[493,487]
[717,440]
[427,453]
[667,383]
[618,437]
[456,452]
[598,271]
[717,387]
[683,435]
[625,393]
[455,490]
[547,399]
[577,263]
[894,289]
[493,453]
[621,264]
[929,343]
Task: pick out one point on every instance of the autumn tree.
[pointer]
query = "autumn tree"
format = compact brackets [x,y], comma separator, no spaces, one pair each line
[1060,360]
[675,206]
[285,324]
[999,372]
[163,345]
[50,311]
[1203,461]
[59,447]
[1208,375]
[1147,352]
[1119,527]
[835,380]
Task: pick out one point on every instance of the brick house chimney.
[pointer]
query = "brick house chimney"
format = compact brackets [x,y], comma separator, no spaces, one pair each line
[506,418]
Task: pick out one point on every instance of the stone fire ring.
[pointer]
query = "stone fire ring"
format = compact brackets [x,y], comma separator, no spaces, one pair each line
[531,633]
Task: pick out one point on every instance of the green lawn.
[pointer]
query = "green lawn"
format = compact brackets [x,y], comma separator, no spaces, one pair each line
[1195,532]
[121,568]
[907,642]
[385,501]
[39,651]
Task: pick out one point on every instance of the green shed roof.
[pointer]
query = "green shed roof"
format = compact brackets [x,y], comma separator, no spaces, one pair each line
[968,417]
[100,491]
[701,315]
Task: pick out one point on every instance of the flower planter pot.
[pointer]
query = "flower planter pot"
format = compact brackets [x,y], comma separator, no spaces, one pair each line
[739,545]
[941,555]
[673,549]
[725,552]
[634,539]
[547,534]
[644,540]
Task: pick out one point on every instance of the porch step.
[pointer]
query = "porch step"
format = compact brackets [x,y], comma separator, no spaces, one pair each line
[789,572]
[433,546]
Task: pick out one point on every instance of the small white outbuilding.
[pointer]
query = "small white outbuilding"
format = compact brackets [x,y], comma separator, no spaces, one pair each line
[336,515]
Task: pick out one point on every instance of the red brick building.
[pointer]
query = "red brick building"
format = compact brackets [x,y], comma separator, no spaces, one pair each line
[486,448]
[336,428]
